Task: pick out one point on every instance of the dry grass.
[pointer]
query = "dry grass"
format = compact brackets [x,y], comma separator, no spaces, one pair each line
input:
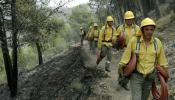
[165,27]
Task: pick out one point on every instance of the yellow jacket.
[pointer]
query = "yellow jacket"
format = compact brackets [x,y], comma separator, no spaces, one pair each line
[129,31]
[146,61]
[106,36]
[94,34]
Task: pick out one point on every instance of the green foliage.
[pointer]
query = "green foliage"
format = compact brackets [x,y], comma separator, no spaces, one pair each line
[33,18]
[54,28]
[68,34]
[55,24]
[27,57]
[37,23]
[117,8]
[58,45]
[38,26]
[81,16]
[2,77]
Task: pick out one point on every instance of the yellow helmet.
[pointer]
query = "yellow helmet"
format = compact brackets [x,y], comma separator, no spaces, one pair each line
[95,24]
[81,28]
[147,21]
[129,15]
[109,18]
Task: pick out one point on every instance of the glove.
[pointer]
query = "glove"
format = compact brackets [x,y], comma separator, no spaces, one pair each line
[123,81]
[120,68]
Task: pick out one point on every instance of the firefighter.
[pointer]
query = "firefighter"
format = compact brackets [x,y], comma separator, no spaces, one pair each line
[127,30]
[149,52]
[94,34]
[105,42]
[124,33]
[82,35]
[88,36]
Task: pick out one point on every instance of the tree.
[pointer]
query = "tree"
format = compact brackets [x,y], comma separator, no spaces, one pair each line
[14,19]
[4,47]
[101,8]
[81,16]
[157,9]
[35,18]
[15,47]
[117,8]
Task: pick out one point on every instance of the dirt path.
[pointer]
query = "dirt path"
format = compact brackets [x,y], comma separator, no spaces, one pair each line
[105,87]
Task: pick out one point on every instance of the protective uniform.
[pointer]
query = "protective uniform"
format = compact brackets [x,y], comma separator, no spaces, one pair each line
[82,35]
[105,43]
[89,38]
[144,74]
[128,31]
[94,34]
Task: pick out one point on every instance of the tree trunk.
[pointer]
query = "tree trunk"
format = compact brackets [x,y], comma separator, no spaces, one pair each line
[5,51]
[140,7]
[40,58]
[15,47]
[162,1]
[120,16]
[145,7]
[157,9]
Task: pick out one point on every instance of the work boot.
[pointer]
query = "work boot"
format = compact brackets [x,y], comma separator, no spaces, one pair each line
[106,75]
[99,58]
[93,52]
[107,66]
[123,81]
[126,87]
[107,69]
[98,61]
[119,87]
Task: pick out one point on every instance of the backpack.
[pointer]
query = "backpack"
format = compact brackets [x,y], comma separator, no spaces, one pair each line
[120,44]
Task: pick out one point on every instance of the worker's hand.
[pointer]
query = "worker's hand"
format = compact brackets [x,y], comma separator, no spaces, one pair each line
[99,47]
[121,68]
[113,40]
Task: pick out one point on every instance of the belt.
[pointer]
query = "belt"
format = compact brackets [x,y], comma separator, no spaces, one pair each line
[145,76]
[106,41]
[96,39]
